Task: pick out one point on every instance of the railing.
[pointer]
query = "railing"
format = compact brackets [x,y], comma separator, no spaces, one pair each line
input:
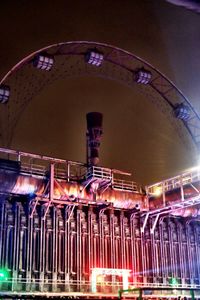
[189,177]
[26,287]
[100,173]
[33,169]
[107,175]
[186,193]
[125,185]
[39,165]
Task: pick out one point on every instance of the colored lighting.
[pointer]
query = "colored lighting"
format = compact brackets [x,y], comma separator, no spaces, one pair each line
[24,188]
[182,112]
[94,58]
[4,93]
[142,76]
[173,281]
[3,275]
[43,62]
[157,191]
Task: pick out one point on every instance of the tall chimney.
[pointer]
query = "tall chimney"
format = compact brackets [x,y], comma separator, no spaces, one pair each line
[94,132]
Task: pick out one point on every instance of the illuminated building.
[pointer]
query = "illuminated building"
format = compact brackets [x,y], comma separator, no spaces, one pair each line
[70,229]
[74,229]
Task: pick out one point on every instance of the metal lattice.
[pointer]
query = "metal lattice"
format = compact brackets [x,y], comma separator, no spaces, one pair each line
[26,82]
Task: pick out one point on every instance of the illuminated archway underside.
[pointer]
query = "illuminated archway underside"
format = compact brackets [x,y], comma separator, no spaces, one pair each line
[26,82]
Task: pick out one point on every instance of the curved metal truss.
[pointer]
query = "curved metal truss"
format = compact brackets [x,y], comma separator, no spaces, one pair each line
[26,81]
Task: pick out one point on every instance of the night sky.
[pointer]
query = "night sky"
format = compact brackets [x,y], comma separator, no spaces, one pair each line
[138,137]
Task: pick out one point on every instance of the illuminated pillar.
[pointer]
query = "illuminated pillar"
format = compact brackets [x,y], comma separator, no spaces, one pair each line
[94,281]
[125,276]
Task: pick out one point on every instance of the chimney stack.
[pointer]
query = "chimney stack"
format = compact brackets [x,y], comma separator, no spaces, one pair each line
[94,132]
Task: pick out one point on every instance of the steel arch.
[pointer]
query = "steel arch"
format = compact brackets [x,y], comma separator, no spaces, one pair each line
[26,81]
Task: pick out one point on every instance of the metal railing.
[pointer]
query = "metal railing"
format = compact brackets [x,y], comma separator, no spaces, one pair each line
[33,169]
[191,176]
[39,165]
[26,287]
[125,185]
[99,173]
[185,188]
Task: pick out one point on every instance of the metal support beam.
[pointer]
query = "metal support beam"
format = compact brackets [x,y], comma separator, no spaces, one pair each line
[195,188]
[154,223]
[145,222]
[51,192]
[51,189]
[182,191]
[70,214]
[38,199]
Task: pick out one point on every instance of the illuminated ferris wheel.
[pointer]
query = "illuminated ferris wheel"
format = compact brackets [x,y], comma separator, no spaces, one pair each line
[41,68]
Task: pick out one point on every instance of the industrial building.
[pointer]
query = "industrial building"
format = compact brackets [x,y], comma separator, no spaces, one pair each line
[81,230]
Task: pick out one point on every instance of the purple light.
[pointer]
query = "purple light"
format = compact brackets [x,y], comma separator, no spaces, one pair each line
[43,62]
[182,112]
[142,76]
[4,93]
[94,58]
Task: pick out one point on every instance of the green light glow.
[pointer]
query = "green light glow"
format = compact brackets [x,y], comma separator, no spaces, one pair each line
[3,275]
[173,281]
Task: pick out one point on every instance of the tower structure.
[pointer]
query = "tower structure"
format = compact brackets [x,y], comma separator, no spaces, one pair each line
[94,132]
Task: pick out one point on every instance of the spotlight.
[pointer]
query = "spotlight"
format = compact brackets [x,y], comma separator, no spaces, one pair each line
[142,76]
[4,93]
[94,58]
[157,191]
[43,62]
[182,112]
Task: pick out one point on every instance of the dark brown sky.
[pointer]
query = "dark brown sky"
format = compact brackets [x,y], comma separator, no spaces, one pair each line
[137,136]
